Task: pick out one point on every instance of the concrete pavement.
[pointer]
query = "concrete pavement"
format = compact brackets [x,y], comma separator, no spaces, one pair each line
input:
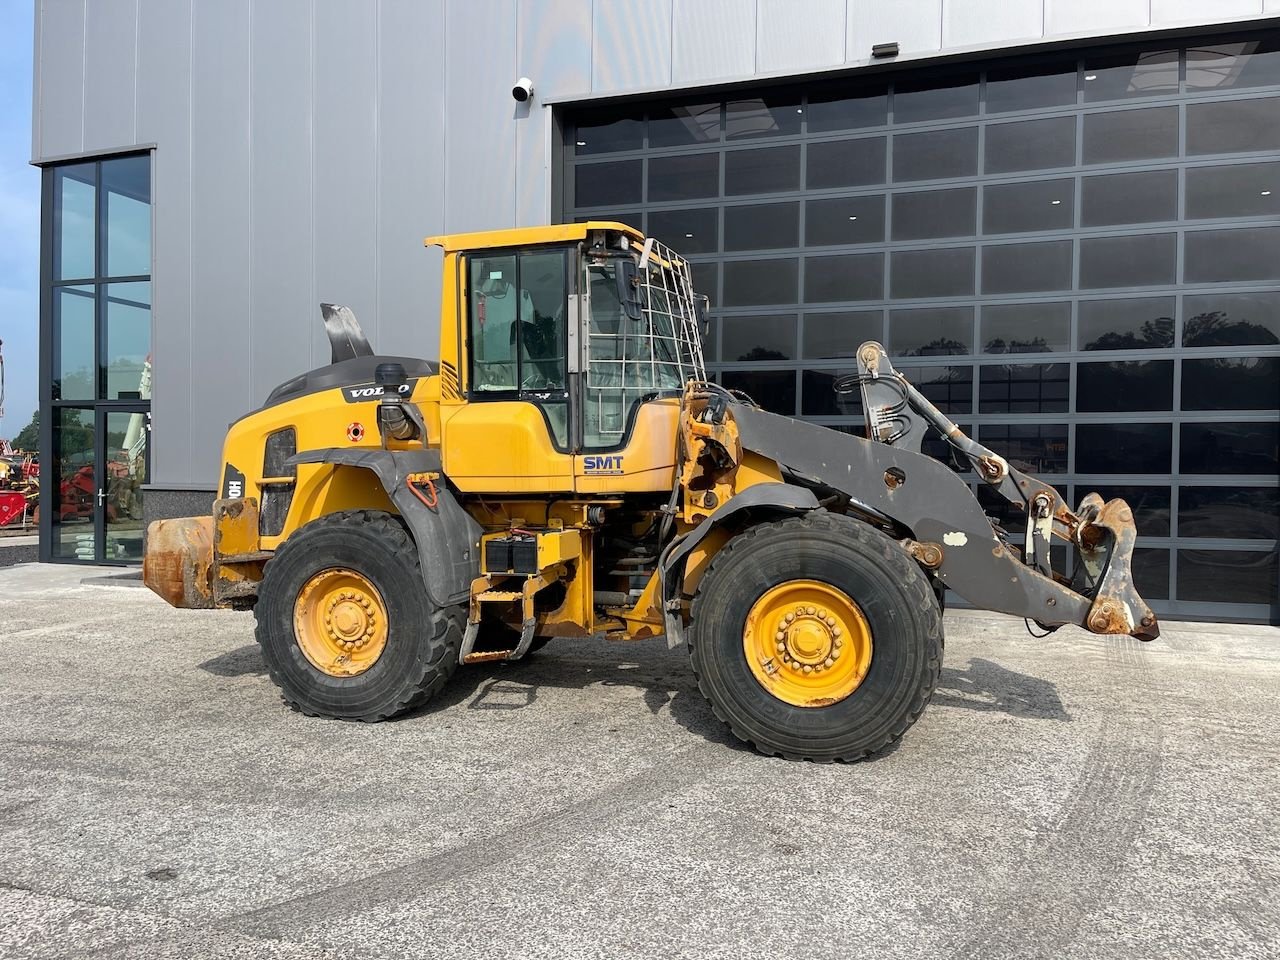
[1065,797]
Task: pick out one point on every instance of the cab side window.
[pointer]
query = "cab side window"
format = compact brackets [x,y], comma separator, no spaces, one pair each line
[517,308]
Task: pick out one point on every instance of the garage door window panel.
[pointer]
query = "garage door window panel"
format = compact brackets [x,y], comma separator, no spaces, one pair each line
[1233,126]
[844,221]
[1037,327]
[685,177]
[1223,448]
[1124,135]
[1231,319]
[1218,256]
[1031,447]
[931,332]
[1231,383]
[934,214]
[935,155]
[1228,576]
[1135,323]
[762,226]
[692,231]
[1028,207]
[607,184]
[830,336]
[1124,385]
[1030,145]
[1111,448]
[1120,198]
[1235,190]
[845,163]
[1027,267]
[1024,388]
[945,272]
[768,337]
[1231,513]
[1140,261]
[844,277]
[768,170]
[841,107]
[749,283]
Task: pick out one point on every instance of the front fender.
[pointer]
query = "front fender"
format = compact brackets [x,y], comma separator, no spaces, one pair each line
[764,500]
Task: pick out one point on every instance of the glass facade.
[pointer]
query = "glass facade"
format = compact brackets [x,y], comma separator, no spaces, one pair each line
[1077,258]
[97,381]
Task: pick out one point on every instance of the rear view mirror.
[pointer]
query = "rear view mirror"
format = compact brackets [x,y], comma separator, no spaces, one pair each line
[701,306]
[628,288]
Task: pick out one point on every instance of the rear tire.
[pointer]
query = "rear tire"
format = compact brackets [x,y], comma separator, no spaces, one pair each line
[420,651]
[893,598]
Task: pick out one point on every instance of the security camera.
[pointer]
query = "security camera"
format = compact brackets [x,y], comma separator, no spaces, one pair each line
[523,90]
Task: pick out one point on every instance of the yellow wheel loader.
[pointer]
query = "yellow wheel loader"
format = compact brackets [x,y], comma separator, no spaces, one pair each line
[566,469]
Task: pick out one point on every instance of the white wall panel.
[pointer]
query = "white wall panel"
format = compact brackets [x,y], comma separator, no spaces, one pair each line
[554,50]
[220,307]
[916,25]
[111,33]
[1094,16]
[799,34]
[347,121]
[712,39]
[1271,6]
[281,178]
[411,181]
[60,77]
[480,56]
[555,46]
[164,118]
[630,44]
[967,23]
[1202,11]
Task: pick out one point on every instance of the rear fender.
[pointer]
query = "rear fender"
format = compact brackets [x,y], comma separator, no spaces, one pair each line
[447,536]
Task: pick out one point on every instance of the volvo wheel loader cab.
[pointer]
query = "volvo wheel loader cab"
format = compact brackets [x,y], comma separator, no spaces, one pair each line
[566,469]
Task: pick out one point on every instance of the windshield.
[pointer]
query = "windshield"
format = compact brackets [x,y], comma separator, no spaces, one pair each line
[631,359]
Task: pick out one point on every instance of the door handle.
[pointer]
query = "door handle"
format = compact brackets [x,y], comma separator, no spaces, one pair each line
[102,496]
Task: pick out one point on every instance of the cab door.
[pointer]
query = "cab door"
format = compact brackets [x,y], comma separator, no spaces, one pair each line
[513,433]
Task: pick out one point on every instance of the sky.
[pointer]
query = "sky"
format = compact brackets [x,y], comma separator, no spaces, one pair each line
[19,220]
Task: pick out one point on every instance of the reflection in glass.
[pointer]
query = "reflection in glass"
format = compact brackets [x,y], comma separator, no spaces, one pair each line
[919,101]
[126,185]
[1028,88]
[945,272]
[126,457]
[927,214]
[687,177]
[1233,513]
[829,336]
[1027,267]
[771,337]
[74,365]
[1244,63]
[818,397]
[1213,256]
[1147,197]
[950,389]
[1026,327]
[1151,572]
[1231,383]
[1030,145]
[848,276]
[843,107]
[706,280]
[1229,448]
[127,341]
[1231,319]
[688,231]
[1148,134]
[1141,323]
[682,125]
[931,332]
[1030,447]
[1124,447]
[769,170]
[1141,261]
[1023,388]
[1027,207]
[762,226]
[74,200]
[1146,74]
[1228,576]
[1239,190]
[606,184]
[1119,385]
[775,390]
[1151,505]
[770,115]
[1233,126]
[937,155]
[845,163]
[844,220]
[75,497]
[750,283]
[608,133]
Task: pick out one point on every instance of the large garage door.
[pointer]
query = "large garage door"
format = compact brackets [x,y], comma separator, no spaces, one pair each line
[1077,259]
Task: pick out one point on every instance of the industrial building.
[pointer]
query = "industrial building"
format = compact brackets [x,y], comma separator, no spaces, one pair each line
[1061,216]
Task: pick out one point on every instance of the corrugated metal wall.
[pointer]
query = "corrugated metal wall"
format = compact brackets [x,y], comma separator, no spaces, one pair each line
[305,147]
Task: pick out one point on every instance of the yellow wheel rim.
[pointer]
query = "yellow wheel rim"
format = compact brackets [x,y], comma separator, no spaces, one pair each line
[807,643]
[340,622]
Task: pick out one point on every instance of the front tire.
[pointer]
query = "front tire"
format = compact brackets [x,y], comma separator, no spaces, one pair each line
[345,624]
[816,638]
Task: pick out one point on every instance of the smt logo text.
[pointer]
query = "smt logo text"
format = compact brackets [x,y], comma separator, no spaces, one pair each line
[602,465]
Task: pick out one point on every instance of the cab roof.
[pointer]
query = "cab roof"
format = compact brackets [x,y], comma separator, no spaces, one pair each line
[527,236]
